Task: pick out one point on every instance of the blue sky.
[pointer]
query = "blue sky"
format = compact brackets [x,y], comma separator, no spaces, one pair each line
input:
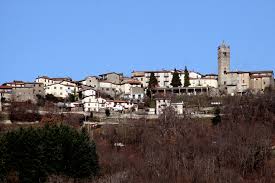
[90,37]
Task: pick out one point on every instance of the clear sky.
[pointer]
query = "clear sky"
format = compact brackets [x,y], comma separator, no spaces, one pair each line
[90,37]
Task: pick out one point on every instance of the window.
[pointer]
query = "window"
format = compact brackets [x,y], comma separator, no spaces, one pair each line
[224,53]
[264,82]
[243,81]
[141,79]
[225,82]
[61,93]
[60,88]
[54,87]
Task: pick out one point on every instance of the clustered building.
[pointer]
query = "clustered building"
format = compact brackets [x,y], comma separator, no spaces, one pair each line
[234,82]
[114,90]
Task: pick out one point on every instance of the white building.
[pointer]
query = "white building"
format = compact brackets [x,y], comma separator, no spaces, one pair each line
[87,91]
[162,104]
[61,90]
[206,81]
[119,104]
[164,77]
[91,103]
[49,81]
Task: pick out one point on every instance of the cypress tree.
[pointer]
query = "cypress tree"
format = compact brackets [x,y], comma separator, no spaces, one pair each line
[217,119]
[186,78]
[153,82]
[176,82]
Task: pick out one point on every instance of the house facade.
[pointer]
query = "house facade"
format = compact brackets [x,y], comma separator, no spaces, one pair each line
[162,104]
[164,77]
[91,103]
[112,77]
[61,90]
[49,81]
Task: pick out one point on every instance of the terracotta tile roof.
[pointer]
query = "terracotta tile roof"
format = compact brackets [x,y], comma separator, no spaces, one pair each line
[5,87]
[260,72]
[132,81]
[121,74]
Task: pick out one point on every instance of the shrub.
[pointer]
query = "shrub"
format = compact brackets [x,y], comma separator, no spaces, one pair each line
[24,112]
[107,112]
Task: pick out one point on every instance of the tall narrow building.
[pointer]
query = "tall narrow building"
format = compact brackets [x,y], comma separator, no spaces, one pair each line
[223,64]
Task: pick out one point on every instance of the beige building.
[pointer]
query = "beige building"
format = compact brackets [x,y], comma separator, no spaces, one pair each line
[24,91]
[112,77]
[92,81]
[132,89]
[240,81]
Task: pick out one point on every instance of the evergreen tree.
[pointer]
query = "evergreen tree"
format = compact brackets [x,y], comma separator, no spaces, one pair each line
[217,119]
[176,82]
[33,154]
[107,112]
[153,82]
[186,78]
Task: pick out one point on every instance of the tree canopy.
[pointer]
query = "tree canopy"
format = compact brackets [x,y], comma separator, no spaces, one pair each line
[36,153]
[176,82]
[153,82]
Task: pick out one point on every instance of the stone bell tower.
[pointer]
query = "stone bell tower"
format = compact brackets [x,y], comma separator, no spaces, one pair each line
[223,64]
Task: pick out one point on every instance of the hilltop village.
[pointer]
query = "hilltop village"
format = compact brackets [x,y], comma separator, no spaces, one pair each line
[116,92]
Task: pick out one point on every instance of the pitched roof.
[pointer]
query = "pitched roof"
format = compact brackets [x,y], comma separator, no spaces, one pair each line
[121,74]
[56,78]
